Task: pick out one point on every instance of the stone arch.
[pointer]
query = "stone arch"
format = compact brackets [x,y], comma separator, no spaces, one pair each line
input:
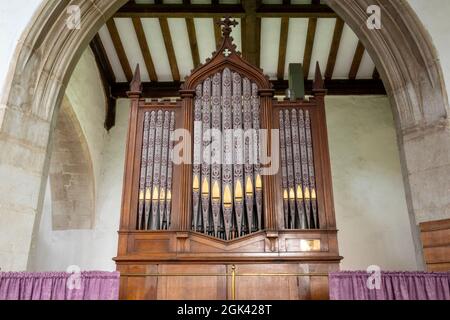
[71,174]
[48,52]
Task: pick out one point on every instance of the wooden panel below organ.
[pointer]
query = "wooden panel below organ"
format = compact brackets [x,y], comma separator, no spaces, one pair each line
[275,281]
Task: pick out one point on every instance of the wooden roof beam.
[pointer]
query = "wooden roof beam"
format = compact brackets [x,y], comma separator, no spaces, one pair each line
[119,49]
[334,87]
[132,9]
[335,44]
[284,33]
[310,37]
[313,10]
[193,41]
[251,32]
[108,79]
[357,58]
[145,49]
[169,49]
[376,74]
[217,32]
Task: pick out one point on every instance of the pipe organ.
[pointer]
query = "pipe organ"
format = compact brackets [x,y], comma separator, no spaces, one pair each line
[199,201]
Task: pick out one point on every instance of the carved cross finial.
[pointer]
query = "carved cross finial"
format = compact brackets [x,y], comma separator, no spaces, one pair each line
[227,23]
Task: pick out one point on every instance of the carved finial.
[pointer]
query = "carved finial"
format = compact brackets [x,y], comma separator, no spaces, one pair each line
[318,80]
[227,23]
[136,84]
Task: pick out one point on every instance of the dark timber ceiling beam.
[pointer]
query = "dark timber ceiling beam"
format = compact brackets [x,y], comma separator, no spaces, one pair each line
[193,41]
[217,32]
[108,79]
[190,25]
[251,32]
[357,58]
[169,48]
[310,37]
[284,33]
[376,74]
[313,10]
[132,9]
[119,49]
[334,87]
[157,10]
[145,49]
[335,44]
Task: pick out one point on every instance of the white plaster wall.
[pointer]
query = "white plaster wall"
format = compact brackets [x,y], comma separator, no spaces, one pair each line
[435,15]
[86,95]
[370,203]
[90,249]
[14,18]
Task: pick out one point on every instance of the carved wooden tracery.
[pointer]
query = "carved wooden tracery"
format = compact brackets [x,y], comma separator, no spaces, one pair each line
[220,209]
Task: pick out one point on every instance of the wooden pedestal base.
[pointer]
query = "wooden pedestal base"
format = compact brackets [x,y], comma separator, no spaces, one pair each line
[189,265]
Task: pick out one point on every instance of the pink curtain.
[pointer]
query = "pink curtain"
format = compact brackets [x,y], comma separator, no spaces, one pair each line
[59,286]
[393,286]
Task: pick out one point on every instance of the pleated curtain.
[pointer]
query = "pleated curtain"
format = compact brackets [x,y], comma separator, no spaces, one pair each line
[59,286]
[393,286]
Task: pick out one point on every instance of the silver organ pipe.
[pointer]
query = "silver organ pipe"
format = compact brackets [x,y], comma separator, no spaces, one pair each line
[298,173]
[155,184]
[196,167]
[238,154]
[227,153]
[256,154]
[206,157]
[216,152]
[227,185]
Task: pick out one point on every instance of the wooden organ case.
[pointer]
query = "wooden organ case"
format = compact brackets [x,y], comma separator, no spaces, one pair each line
[211,221]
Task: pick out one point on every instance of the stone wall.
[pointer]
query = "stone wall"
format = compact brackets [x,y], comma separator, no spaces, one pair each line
[90,249]
[71,174]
